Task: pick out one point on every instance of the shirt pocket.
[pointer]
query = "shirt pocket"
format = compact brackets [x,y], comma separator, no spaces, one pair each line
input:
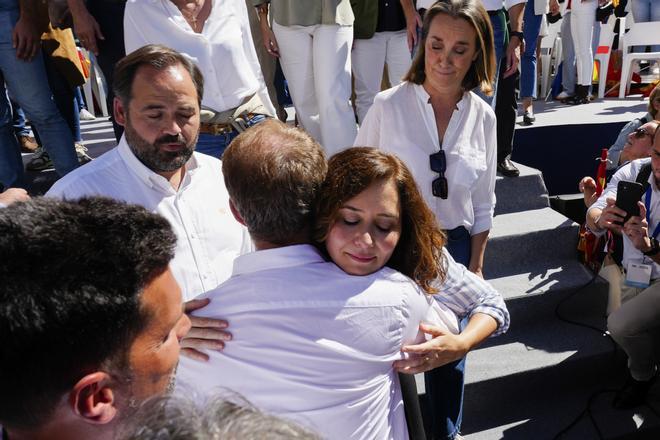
[465,169]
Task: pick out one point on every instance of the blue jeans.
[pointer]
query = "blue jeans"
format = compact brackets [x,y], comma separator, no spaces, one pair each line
[215,145]
[528,62]
[444,385]
[498,22]
[18,120]
[28,84]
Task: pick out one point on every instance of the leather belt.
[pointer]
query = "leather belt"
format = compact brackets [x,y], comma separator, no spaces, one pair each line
[217,129]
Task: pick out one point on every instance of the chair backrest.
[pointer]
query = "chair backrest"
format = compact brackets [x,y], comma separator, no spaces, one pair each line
[642,34]
[548,41]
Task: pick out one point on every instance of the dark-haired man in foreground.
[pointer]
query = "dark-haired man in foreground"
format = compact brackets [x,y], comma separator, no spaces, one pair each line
[90,316]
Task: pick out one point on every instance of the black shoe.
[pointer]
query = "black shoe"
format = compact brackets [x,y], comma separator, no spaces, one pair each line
[529,118]
[507,168]
[633,393]
[581,96]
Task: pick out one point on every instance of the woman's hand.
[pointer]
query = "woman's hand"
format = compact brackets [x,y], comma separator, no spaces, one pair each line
[444,348]
[25,38]
[413,21]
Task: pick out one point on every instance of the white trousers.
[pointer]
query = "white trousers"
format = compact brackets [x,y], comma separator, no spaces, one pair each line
[317,65]
[369,57]
[582,27]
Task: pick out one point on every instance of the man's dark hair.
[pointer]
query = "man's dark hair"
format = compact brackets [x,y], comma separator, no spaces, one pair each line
[273,174]
[70,298]
[159,57]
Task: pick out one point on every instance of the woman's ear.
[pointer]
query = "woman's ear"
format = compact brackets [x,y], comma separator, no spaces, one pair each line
[93,398]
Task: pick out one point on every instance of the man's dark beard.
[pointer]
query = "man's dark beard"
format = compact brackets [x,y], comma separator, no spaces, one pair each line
[153,157]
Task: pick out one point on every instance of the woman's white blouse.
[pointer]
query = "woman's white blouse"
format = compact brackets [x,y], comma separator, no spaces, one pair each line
[401,121]
[224,51]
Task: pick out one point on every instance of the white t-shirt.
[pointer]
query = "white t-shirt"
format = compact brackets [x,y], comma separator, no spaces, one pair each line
[311,343]
[208,236]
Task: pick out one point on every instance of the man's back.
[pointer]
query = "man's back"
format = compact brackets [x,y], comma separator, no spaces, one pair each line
[312,343]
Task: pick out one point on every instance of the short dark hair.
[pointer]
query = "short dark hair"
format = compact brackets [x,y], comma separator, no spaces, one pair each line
[482,71]
[159,57]
[70,298]
[273,173]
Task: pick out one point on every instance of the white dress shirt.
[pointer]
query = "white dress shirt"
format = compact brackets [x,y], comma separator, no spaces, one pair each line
[312,343]
[208,236]
[494,5]
[224,51]
[629,172]
[401,121]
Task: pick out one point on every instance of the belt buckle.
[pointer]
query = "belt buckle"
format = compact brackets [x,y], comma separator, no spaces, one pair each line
[218,129]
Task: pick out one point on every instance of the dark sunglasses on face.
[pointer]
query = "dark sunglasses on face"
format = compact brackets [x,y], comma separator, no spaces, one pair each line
[439,165]
[640,133]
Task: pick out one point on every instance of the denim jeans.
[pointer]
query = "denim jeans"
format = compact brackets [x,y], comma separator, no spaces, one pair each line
[28,84]
[444,385]
[215,145]
[528,61]
[65,99]
[18,120]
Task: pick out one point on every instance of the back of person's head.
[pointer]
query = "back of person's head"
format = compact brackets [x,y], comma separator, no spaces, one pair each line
[180,418]
[72,276]
[350,172]
[654,102]
[273,173]
[158,57]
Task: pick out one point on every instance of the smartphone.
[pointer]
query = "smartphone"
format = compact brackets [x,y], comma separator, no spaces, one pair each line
[627,195]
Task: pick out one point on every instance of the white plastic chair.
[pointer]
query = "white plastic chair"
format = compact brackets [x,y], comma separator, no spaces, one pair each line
[640,34]
[550,56]
[603,52]
[95,86]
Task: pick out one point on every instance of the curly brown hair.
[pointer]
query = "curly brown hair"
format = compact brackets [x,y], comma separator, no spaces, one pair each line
[418,253]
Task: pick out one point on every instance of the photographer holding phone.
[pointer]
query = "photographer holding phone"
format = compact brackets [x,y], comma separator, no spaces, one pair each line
[634,326]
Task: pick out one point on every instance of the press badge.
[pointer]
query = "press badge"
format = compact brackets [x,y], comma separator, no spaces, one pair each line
[638,275]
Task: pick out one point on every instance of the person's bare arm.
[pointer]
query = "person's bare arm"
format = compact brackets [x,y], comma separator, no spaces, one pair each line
[515,46]
[267,35]
[477,251]
[26,38]
[85,26]
[413,20]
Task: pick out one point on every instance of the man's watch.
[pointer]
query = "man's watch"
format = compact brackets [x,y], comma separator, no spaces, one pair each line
[655,248]
[520,36]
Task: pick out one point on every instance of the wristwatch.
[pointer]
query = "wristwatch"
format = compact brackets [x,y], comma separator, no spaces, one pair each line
[655,248]
[520,36]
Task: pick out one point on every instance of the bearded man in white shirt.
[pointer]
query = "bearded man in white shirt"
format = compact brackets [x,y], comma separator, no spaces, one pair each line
[313,343]
[158,94]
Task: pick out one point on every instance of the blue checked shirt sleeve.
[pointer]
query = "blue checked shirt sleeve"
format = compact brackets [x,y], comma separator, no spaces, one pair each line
[466,294]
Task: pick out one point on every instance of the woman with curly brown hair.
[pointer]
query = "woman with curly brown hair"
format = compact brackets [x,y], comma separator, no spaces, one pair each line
[371,214]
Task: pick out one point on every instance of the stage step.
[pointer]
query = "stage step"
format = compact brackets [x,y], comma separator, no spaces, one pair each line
[520,193]
[526,241]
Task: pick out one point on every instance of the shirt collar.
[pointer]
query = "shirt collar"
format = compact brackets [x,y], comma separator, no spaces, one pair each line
[423,96]
[150,178]
[277,258]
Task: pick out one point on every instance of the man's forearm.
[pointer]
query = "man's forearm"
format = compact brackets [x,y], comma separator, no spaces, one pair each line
[28,8]
[77,7]
[516,13]
[408,8]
